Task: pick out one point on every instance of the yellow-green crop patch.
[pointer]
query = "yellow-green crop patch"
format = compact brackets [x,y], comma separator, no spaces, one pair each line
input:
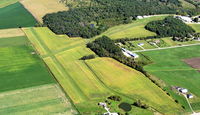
[196,27]
[45,99]
[132,83]
[133,30]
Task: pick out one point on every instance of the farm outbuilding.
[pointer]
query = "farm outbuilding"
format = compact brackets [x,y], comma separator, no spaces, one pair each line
[190,96]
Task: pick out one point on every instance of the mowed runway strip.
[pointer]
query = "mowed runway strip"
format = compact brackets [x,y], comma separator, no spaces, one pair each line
[82,84]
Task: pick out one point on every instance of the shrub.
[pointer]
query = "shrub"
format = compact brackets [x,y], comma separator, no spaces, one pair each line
[125,106]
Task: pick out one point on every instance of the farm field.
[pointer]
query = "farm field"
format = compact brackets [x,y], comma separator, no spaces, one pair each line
[4,33]
[39,8]
[187,5]
[170,67]
[24,77]
[20,17]
[132,30]
[77,78]
[45,99]
[4,3]
[196,27]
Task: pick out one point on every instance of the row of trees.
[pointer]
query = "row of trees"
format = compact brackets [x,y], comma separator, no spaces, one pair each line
[94,19]
[105,47]
[170,26]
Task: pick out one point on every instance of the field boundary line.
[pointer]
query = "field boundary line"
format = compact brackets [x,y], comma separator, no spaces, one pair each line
[166,48]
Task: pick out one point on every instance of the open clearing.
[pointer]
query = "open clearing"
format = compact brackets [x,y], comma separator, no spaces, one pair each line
[133,30]
[4,3]
[11,33]
[20,17]
[193,62]
[81,83]
[169,66]
[40,100]
[39,8]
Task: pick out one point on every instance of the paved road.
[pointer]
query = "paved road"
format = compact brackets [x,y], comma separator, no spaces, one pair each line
[166,48]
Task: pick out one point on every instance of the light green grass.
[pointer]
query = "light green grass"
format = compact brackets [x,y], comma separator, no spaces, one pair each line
[169,67]
[132,83]
[133,30]
[196,27]
[4,3]
[15,16]
[13,41]
[45,99]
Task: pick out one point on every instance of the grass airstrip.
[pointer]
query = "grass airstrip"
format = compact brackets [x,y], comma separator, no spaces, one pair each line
[169,66]
[89,82]
[14,16]
[26,86]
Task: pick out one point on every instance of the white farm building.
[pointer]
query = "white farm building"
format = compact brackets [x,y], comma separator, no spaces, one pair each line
[129,53]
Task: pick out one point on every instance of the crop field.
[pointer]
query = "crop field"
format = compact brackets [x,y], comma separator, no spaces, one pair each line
[4,3]
[132,83]
[39,8]
[13,41]
[20,17]
[170,67]
[196,27]
[187,5]
[132,30]
[11,33]
[45,99]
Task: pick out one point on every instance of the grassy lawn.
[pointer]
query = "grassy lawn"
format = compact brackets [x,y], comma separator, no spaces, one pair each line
[39,8]
[132,30]
[4,3]
[45,99]
[169,67]
[20,17]
[196,27]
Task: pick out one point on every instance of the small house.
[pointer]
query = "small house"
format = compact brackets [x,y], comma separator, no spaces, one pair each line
[189,96]
[183,90]
[140,44]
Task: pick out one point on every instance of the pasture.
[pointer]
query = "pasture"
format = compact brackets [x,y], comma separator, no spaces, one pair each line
[13,41]
[20,17]
[4,33]
[186,4]
[39,8]
[170,67]
[40,100]
[133,30]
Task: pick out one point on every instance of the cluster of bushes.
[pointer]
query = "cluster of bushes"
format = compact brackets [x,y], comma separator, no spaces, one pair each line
[115,98]
[95,18]
[138,103]
[105,47]
[92,56]
[170,26]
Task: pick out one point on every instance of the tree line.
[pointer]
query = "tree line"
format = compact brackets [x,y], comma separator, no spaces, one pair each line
[91,20]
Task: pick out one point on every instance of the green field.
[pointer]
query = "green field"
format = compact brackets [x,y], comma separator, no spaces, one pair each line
[169,67]
[196,27]
[62,54]
[187,5]
[14,16]
[40,100]
[26,85]
[132,30]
